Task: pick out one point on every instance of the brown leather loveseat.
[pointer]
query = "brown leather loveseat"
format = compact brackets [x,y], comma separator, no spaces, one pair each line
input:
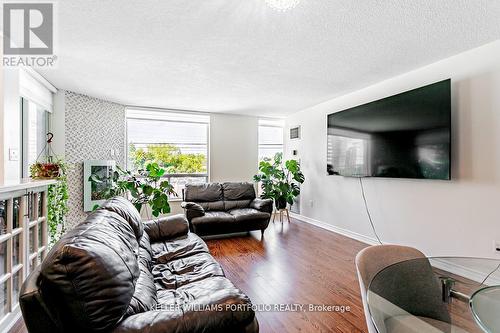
[114,273]
[216,208]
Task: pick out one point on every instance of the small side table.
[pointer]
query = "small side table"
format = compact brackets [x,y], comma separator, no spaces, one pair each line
[282,212]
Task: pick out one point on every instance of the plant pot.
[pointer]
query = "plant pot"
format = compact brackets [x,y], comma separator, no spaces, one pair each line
[280,203]
[45,170]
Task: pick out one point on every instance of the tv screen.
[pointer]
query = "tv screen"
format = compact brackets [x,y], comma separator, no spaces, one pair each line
[403,136]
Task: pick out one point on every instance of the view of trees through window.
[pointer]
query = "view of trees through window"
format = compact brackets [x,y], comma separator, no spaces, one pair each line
[177,142]
[169,157]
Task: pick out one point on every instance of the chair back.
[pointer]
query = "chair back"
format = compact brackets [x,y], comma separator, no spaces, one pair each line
[405,282]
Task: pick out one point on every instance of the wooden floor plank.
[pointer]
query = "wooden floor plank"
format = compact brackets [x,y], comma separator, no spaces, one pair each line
[296,263]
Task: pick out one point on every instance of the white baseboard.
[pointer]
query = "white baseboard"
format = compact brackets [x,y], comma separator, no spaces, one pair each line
[340,231]
[467,272]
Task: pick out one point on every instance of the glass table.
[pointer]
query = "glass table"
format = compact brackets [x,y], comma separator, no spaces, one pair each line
[437,294]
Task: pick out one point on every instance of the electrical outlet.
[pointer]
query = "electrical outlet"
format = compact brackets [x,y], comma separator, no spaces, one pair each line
[13,154]
[311,203]
[496,247]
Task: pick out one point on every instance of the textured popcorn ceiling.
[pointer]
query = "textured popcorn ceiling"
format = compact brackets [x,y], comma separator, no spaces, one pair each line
[242,56]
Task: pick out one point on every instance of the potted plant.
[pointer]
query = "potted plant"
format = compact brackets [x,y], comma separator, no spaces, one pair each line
[57,195]
[46,170]
[280,181]
[144,188]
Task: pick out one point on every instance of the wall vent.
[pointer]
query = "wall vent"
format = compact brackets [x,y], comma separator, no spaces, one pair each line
[295,132]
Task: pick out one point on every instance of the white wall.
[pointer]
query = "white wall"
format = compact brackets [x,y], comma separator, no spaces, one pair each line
[233,147]
[94,130]
[11,123]
[458,217]
[57,125]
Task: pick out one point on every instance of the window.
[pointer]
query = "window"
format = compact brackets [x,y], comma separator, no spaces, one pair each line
[35,125]
[270,138]
[36,104]
[178,142]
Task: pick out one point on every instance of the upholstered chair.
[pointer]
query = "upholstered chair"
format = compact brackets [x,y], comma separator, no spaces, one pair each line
[405,296]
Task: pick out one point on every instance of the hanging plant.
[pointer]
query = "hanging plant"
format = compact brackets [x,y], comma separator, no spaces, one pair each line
[45,170]
[57,197]
[57,194]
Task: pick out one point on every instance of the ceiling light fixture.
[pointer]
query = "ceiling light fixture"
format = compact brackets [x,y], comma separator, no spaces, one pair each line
[282,5]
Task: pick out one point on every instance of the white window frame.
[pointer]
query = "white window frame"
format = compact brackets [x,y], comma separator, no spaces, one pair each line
[136,114]
[276,123]
[25,135]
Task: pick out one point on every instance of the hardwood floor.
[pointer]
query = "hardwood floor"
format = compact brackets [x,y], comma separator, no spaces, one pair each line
[19,327]
[294,263]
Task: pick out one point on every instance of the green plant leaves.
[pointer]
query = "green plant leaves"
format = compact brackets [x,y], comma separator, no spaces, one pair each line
[279,181]
[168,157]
[147,188]
[154,171]
[57,205]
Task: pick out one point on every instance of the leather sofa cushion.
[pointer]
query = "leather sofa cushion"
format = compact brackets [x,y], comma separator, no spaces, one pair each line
[125,209]
[144,298]
[233,204]
[175,318]
[91,272]
[182,271]
[188,245]
[238,191]
[215,223]
[145,252]
[207,291]
[214,217]
[212,206]
[203,192]
[165,228]
[192,210]
[245,214]
[263,205]
[36,317]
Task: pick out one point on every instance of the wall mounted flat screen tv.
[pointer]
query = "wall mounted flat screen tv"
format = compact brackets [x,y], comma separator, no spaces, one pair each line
[403,136]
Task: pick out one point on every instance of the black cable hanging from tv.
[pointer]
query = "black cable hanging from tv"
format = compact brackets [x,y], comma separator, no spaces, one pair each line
[368,211]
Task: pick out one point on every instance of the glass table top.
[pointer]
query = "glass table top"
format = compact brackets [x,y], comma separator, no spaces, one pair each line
[436,294]
[485,305]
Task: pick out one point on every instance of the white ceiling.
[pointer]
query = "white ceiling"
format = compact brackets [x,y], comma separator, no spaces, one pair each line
[242,56]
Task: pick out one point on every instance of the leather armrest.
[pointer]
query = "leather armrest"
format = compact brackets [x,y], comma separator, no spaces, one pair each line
[166,227]
[192,210]
[264,205]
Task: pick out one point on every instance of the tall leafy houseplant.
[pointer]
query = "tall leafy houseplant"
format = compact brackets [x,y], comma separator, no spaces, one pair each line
[280,181]
[57,196]
[144,188]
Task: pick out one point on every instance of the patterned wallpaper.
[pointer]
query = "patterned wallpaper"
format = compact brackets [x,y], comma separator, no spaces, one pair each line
[93,128]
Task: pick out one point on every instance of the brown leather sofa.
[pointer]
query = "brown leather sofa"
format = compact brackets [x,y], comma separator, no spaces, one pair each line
[114,273]
[215,208]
